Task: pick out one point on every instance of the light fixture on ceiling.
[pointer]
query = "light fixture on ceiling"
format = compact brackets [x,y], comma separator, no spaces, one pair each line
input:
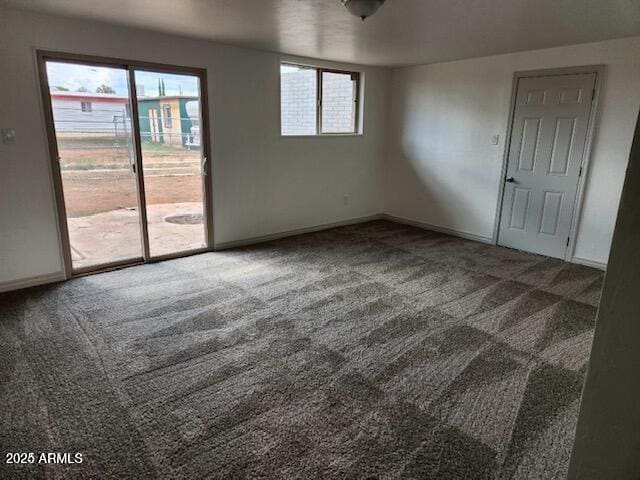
[362,8]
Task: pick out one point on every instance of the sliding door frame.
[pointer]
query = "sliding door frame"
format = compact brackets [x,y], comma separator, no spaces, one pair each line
[137,147]
[130,66]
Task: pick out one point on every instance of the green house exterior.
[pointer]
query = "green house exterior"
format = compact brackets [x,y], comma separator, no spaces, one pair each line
[151,107]
[144,106]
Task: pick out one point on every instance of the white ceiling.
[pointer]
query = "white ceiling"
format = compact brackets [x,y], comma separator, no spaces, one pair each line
[403,32]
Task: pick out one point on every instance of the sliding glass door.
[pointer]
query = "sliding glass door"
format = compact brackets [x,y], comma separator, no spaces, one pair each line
[173,163]
[130,173]
[91,107]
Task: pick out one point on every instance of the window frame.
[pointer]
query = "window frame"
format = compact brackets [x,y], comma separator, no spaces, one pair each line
[356,76]
[86,106]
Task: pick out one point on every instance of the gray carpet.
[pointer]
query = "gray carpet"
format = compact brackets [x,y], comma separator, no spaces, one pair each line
[370,351]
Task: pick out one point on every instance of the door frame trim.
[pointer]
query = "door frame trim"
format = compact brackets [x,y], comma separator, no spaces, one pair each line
[592,125]
[56,176]
[42,56]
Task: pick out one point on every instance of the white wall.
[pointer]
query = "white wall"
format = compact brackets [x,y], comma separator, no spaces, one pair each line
[608,430]
[442,169]
[262,183]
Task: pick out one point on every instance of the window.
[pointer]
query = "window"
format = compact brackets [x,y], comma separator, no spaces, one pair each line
[338,102]
[317,101]
[86,106]
[166,110]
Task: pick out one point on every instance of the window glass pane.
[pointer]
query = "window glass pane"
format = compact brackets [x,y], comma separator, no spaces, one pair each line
[338,103]
[298,93]
[96,146]
[172,160]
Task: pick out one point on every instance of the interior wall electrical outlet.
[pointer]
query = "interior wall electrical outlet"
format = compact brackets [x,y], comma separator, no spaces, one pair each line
[8,136]
[495,139]
[346,199]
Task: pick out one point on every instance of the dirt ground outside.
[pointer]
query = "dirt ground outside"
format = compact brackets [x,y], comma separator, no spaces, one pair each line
[97,174]
[90,192]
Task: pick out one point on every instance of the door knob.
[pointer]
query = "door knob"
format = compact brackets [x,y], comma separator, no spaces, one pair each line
[511,180]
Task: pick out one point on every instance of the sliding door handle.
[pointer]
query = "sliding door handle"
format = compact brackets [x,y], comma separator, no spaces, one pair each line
[203,165]
[510,180]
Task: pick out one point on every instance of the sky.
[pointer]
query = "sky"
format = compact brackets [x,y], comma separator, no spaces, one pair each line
[73,76]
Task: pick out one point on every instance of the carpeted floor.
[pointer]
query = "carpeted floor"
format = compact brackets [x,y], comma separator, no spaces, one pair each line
[370,351]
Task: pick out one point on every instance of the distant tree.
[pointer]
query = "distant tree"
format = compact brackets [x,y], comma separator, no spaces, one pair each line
[105,89]
[162,92]
[61,88]
[82,89]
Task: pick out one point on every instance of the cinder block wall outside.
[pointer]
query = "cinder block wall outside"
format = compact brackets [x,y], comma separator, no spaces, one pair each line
[298,98]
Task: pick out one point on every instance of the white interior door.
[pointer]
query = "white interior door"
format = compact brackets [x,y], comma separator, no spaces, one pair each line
[549,133]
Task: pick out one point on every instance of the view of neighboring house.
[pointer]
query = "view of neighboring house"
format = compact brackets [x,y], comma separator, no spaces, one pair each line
[87,112]
[172,119]
[166,119]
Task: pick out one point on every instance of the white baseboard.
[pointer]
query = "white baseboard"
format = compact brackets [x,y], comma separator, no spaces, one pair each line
[589,263]
[32,281]
[59,276]
[448,231]
[291,233]
[478,238]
